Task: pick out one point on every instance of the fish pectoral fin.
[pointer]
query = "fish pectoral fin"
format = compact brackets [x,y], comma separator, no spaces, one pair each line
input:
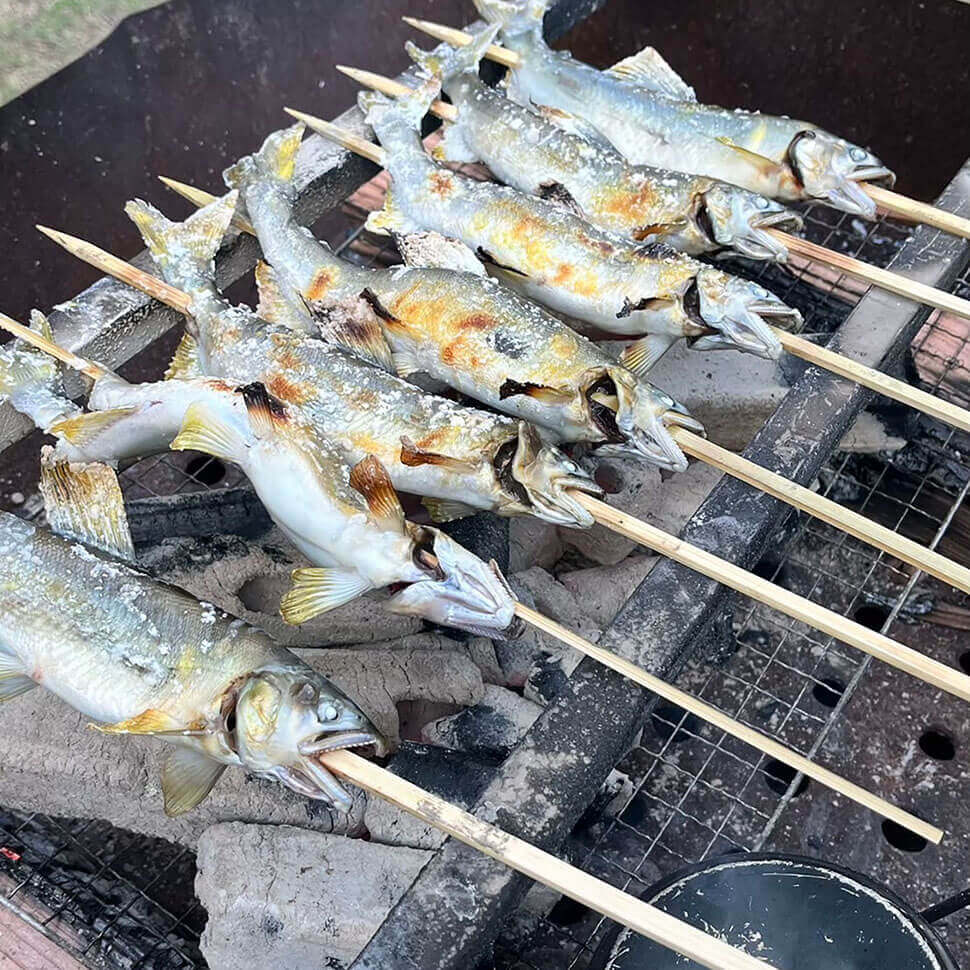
[405,363]
[447,510]
[540,392]
[640,356]
[574,125]
[84,502]
[14,679]
[82,429]
[187,778]
[655,304]
[359,334]
[432,250]
[185,363]
[413,456]
[765,165]
[370,478]
[390,218]
[556,192]
[150,721]
[650,70]
[317,590]
[204,430]
[280,305]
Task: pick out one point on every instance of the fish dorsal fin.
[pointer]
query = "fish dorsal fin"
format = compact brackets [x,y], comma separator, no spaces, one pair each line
[447,510]
[558,193]
[187,778]
[40,324]
[84,502]
[356,328]
[762,163]
[649,69]
[279,305]
[539,392]
[574,125]
[185,363]
[640,356]
[432,250]
[370,478]
[413,456]
[317,590]
[267,415]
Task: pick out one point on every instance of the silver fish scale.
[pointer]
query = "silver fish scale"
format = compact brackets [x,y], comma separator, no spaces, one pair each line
[111,641]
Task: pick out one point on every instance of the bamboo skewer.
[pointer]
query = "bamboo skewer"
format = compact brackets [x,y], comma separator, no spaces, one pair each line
[756,475]
[820,356]
[890,202]
[533,862]
[856,268]
[712,715]
[35,339]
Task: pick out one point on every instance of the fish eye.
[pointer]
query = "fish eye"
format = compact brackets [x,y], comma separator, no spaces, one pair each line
[328,712]
[858,154]
[761,202]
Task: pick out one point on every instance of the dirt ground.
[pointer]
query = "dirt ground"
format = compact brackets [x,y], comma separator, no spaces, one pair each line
[39,37]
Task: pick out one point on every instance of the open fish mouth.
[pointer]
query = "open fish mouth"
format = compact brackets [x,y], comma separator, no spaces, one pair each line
[755,243]
[342,740]
[738,219]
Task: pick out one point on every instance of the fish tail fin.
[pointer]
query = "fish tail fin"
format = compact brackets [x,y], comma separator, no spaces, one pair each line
[457,60]
[390,219]
[411,107]
[274,163]
[513,16]
[24,368]
[205,430]
[185,251]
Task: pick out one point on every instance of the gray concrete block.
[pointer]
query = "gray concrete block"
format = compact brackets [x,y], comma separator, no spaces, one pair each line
[281,897]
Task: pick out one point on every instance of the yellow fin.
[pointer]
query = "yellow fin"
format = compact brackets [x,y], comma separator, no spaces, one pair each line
[765,165]
[150,721]
[317,590]
[370,478]
[185,363]
[82,429]
[640,356]
[204,430]
[447,510]
[413,456]
[390,219]
[539,392]
[275,160]
[84,502]
[187,778]
[267,414]
[277,306]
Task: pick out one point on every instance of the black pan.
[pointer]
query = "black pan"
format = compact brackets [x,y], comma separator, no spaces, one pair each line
[793,912]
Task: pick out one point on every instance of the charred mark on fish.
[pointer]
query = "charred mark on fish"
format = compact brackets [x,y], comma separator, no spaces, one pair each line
[791,161]
[508,344]
[647,303]
[375,304]
[604,417]
[257,398]
[486,257]
[558,193]
[503,463]
[703,219]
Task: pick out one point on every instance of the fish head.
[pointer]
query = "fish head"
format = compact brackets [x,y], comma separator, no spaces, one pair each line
[645,416]
[286,716]
[453,587]
[544,478]
[736,219]
[833,169]
[734,313]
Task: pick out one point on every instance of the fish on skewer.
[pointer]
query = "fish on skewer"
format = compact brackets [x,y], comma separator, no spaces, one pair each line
[441,315]
[552,255]
[429,445]
[141,657]
[529,151]
[643,108]
[347,521]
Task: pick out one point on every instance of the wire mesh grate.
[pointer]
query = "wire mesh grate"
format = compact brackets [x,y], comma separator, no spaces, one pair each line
[122,900]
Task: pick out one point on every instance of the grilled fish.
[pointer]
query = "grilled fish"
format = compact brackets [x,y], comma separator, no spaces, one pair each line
[347,521]
[429,445]
[644,109]
[443,316]
[534,154]
[552,255]
[140,657]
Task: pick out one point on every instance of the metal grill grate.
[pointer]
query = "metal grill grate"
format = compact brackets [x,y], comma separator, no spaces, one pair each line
[121,900]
